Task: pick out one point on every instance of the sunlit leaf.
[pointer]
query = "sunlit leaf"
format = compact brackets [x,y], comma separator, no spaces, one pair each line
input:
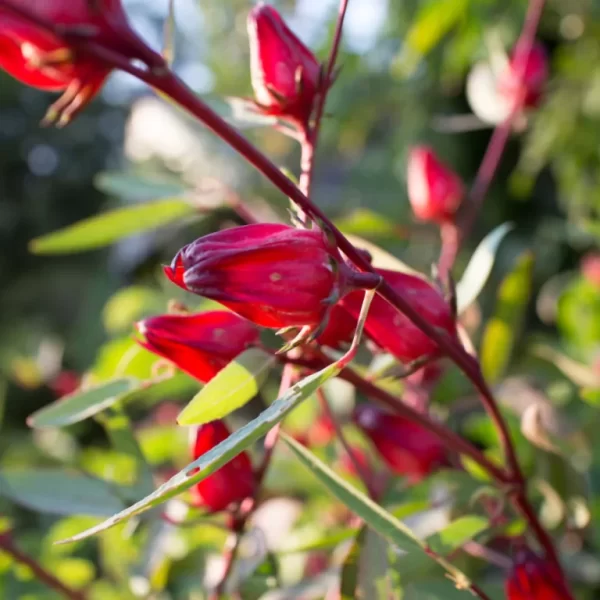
[502,329]
[59,492]
[112,226]
[380,258]
[223,452]
[457,533]
[480,266]
[81,404]
[233,387]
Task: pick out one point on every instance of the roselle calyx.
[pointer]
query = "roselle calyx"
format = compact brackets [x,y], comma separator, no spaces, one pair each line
[525,75]
[407,448]
[274,275]
[55,58]
[393,331]
[434,190]
[199,344]
[230,484]
[285,73]
[534,578]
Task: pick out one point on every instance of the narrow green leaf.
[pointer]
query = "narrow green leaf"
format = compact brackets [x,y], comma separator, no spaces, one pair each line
[59,492]
[456,534]
[377,518]
[233,387]
[82,404]
[137,187]
[222,453]
[111,226]
[480,266]
[503,328]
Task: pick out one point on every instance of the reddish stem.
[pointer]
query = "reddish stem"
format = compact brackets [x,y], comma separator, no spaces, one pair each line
[8,546]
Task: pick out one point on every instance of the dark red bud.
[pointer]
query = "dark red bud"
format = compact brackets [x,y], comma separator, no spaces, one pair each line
[405,447]
[285,73]
[434,190]
[393,331]
[65,383]
[526,73]
[232,483]
[534,578]
[274,275]
[202,344]
[35,56]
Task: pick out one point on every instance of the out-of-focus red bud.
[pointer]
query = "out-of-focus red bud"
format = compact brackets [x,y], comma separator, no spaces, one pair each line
[393,331]
[348,465]
[65,383]
[434,190]
[590,268]
[285,73]
[340,328]
[232,483]
[34,55]
[274,275]
[202,344]
[526,74]
[534,578]
[405,447]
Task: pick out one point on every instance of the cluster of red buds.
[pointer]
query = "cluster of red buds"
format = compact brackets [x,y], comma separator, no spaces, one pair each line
[277,276]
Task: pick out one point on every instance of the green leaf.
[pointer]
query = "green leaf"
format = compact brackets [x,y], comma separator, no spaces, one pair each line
[233,387]
[137,187]
[378,519]
[365,222]
[501,331]
[59,492]
[365,570]
[480,266]
[111,226]
[433,21]
[223,452]
[456,534]
[82,404]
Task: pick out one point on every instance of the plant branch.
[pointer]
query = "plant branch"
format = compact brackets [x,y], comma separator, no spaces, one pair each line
[310,136]
[8,546]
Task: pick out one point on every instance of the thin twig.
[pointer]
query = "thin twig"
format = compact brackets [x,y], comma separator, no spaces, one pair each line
[45,577]
[310,137]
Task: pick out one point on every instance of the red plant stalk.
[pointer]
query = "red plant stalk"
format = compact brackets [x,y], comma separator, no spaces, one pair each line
[167,83]
[8,546]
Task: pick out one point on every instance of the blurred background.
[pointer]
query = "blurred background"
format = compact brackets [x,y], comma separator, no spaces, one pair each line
[405,66]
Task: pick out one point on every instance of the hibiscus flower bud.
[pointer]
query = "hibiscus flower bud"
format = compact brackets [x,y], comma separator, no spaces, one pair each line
[525,74]
[395,332]
[405,447]
[201,344]
[534,578]
[285,73]
[434,190]
[274,275]
[38,57]
[230,484]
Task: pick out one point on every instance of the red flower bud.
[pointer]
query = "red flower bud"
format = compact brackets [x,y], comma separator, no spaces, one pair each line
[65,383]
[232,483]
[285,73]
[202,344]
[590,268]
[274,275]
[434,190]
[340,328]
[36,56]
[405,447]
[526,73]
[393,331]
[533,578]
